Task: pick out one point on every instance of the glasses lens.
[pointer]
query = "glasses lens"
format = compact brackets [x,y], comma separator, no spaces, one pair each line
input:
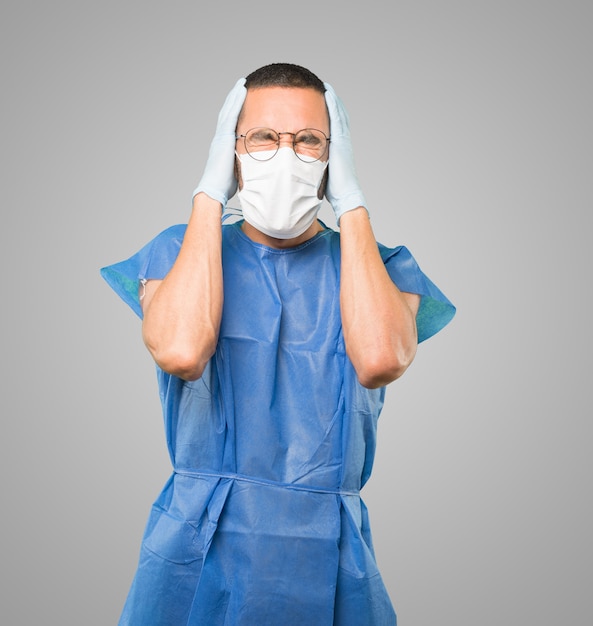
[262,144]
[310,144]
[260,141]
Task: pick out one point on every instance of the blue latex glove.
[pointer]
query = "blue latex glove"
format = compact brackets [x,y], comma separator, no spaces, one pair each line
[218,180]
[342,191]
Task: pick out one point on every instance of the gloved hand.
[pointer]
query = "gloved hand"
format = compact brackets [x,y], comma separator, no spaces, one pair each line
[218,180]
[343,190]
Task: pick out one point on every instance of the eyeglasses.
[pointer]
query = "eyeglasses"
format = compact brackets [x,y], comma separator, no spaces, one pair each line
[308,144]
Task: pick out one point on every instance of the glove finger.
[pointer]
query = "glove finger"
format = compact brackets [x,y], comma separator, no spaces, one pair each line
[338,116]
[229,113]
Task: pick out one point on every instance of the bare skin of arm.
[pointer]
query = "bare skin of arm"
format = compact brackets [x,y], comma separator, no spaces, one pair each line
[379,321]
[182,312]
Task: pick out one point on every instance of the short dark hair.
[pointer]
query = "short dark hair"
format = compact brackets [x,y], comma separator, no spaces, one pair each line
[283,75]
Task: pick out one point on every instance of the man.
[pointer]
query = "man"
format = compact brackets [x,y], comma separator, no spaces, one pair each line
[274,338]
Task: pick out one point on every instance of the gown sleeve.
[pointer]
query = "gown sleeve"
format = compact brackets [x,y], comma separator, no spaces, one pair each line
[435,310]
[153,261]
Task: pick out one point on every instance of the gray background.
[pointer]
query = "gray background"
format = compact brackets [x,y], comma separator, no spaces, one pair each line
[471,123]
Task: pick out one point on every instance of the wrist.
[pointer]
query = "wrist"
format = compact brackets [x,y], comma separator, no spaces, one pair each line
[356,206]
[202,202]
[355,215]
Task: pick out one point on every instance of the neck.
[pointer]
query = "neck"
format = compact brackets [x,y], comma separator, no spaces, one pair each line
[274,242]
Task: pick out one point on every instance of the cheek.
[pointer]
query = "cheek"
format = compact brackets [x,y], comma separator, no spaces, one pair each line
[238,173]
[321,190]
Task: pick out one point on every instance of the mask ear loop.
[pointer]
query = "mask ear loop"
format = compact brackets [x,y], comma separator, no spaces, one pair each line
[231,212]
[143,283]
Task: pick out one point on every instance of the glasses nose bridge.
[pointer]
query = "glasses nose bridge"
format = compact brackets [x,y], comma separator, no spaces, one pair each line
[289,139]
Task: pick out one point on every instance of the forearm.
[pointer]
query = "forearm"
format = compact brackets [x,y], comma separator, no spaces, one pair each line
[182,319]
[378,322]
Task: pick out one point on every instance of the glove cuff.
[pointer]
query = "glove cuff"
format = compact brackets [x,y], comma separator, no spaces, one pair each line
[349,203]
[212,193]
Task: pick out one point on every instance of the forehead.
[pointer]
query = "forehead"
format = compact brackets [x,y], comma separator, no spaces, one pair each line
[285,109]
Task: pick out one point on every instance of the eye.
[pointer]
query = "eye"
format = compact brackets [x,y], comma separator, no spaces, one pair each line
[309,139]
[262,137]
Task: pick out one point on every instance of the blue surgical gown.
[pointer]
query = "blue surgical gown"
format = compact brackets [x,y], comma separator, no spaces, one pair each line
[261,522]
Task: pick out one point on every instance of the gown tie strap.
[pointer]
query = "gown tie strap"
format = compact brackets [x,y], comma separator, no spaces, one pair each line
[264,482]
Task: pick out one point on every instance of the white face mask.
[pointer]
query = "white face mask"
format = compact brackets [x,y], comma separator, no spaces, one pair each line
[279,196]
